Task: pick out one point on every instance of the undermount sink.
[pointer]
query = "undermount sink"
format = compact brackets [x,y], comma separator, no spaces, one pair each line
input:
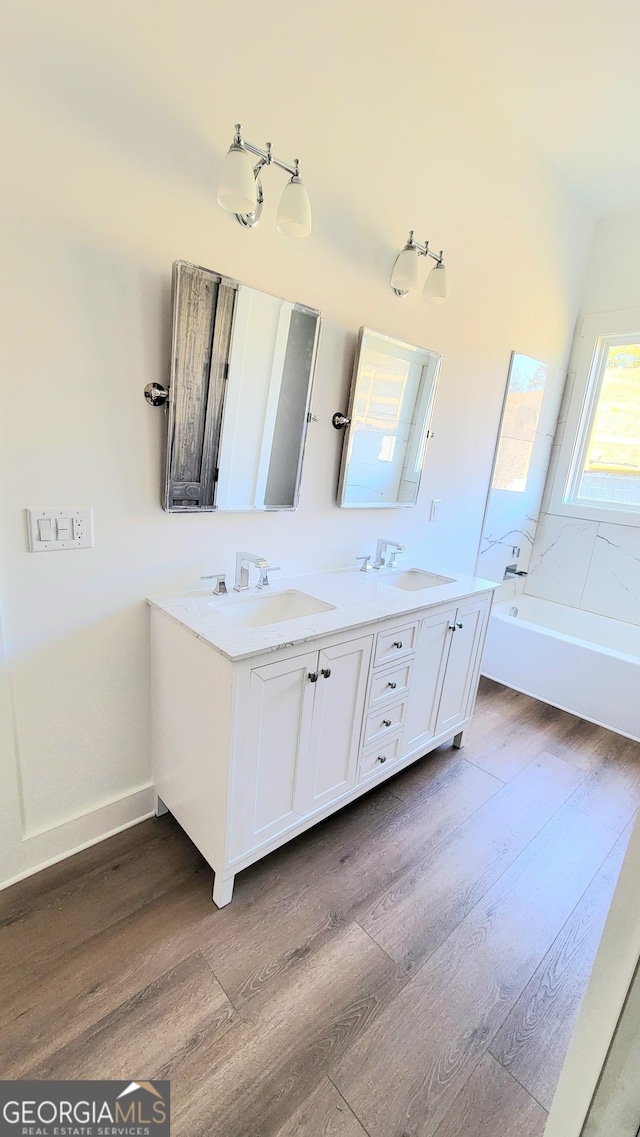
[275,608]
[415,580]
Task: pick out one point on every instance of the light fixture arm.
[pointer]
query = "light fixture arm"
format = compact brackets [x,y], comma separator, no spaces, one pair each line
[265,158]
[240,187]
[422,251]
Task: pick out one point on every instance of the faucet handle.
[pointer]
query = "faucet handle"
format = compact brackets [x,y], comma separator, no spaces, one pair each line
[219,588]
[365,566]
[264,574]
[391,562]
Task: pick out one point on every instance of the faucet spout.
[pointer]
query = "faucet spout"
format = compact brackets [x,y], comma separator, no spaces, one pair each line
[512,571]
[243,560]
[384,559]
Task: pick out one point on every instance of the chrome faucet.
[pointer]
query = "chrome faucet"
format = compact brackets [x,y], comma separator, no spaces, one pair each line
[243,560]
[384,559]
[512,571]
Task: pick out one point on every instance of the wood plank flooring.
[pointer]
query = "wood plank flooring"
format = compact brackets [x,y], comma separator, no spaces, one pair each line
[412,967]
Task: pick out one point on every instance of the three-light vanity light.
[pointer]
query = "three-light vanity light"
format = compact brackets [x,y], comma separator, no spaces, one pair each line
[240,188]
[405,276]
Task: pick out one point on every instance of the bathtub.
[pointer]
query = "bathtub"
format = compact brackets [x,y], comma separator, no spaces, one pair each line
[583,663]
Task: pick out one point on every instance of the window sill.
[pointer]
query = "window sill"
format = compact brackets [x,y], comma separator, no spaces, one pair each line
[601,512]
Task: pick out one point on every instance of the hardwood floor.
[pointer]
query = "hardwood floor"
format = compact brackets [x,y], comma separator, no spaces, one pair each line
[413,966]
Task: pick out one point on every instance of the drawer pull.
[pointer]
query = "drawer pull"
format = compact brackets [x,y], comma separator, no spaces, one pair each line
[326,672]
[313,676]
[386,722]
[397,643]
[392,685]
[381,758]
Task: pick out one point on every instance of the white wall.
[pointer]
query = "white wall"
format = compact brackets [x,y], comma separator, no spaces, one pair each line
[116,118]
[589,564]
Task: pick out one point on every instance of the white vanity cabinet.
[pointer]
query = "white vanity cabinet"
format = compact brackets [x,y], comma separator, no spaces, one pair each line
[303,723]
[444,681]
[248,754]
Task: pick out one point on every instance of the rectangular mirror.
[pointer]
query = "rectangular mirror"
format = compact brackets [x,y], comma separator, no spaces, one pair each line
[390,405]
[242,366]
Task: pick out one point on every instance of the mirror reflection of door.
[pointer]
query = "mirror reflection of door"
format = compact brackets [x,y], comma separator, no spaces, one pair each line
[266,403]
[391,401]
[241,377]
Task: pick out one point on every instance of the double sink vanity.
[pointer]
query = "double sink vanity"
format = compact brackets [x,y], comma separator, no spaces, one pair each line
[273,707]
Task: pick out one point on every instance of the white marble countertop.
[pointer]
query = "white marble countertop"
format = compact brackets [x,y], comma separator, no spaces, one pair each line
[356,599]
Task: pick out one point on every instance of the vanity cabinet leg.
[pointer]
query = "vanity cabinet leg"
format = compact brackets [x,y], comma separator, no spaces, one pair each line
[159,805]
[457,740]
[222,889]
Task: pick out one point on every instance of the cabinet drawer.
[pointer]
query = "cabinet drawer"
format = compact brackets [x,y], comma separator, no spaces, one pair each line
[383,723]
[390,685]
[395,644]
[380,757]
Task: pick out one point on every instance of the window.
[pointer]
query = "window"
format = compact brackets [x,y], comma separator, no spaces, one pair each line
[598,474]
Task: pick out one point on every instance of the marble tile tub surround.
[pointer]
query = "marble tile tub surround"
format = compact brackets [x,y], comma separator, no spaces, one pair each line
[356,599]
[587,564]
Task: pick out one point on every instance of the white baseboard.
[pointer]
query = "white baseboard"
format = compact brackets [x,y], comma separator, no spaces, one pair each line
[48,846]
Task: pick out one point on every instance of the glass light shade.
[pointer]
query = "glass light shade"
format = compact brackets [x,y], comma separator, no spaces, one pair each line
[294,211]
[237,186]
[436,289]
[405,271]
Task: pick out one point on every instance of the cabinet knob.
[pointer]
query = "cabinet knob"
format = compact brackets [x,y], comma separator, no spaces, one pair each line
[386,722]
[313,677]
[398,643]
[392,685]
[458,625]
[326,672]
[381,758]
[452,627]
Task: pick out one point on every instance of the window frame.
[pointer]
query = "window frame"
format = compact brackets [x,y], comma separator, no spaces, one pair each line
[598,331]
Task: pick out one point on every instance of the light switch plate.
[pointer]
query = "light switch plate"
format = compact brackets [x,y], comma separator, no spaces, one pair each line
[54,530]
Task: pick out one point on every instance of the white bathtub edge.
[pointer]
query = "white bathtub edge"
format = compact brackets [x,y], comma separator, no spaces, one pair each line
[560,707]
[555,633]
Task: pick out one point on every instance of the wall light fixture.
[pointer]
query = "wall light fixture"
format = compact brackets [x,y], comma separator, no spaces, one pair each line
[240,188]
[405,276]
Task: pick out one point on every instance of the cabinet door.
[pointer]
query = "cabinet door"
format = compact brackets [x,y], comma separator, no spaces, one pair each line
[461,677]
[279,714]
[432,650]
[337,721]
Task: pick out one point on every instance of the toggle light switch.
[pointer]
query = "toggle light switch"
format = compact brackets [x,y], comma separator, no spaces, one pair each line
[62,529]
